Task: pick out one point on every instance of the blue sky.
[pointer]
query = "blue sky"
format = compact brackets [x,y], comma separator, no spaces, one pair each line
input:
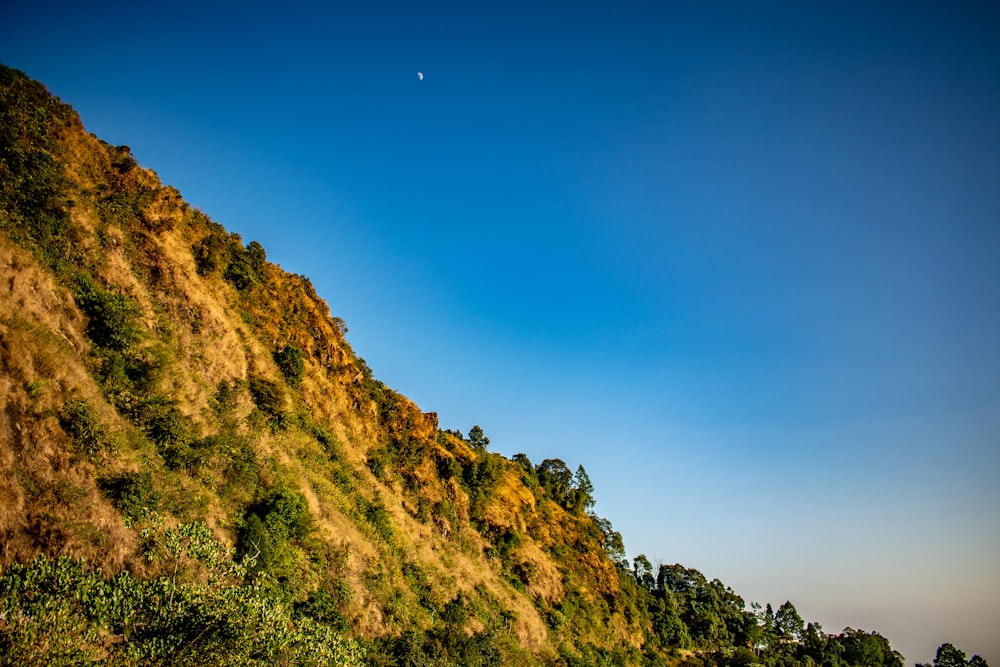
[740,260]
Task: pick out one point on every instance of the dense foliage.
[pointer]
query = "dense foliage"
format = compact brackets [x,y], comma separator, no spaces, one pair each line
[199,611]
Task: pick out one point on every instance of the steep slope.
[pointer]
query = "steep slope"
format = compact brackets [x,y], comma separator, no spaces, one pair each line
[156,371]
[196,468]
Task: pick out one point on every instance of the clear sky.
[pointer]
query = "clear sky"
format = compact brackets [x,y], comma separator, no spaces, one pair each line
[740,260]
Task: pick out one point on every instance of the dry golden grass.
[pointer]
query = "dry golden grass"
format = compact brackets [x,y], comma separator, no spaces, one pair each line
[49,497]
[203,331]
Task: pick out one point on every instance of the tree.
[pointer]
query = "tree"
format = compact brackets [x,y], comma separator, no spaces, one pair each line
[477,438]
[642,570]
[611,542]
[949,656]
[768,619]
[555,478]
[583,491]
[869,649]
[667,624]
[787,623]
[679,580]
[814,642]
[714,615]
[272,534]
[525,464]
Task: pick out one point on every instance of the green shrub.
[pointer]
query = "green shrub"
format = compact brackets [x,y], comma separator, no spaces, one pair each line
[378,462]
[34,191]
[290,363]
[242,464]
[199,612]
[166,426]
[269,399]
[441,646]
[132,494]
[503,545]
[80,421]
[226,397]
[448,468]
[418,584]
[273,534]
[323,606]
[376,515]
[328,440]
[245,267]
[287,512]
[122,206]
[163,421]
[113,318]
[124,377]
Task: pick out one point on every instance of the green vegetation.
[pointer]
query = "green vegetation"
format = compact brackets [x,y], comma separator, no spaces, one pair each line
[113,317]
[573,491]
[290,363]
[950,656]
[132,493]
[81,423]
[33,187]
[198,611]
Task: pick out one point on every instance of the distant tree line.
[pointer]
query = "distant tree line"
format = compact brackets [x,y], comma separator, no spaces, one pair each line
[689,611]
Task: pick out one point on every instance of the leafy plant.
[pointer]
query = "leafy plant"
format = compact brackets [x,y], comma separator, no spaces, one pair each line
[34,192]
[132,494]
[57,612]
[113,318]
[290,363]
[269,399]
[375,514]
[246,266]
[80,421]
[273,535]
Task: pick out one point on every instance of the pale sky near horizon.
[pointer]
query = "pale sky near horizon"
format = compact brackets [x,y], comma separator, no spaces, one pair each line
[740,260]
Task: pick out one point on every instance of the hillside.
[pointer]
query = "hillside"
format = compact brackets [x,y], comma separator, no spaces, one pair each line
[185,427]
[153,364]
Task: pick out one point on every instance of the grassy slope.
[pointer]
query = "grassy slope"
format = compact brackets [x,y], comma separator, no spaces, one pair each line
[151,362]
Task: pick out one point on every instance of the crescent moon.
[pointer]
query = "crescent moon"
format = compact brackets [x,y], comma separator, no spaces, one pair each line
[420,75]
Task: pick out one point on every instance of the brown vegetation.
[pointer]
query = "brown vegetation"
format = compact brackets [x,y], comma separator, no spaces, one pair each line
[153,364]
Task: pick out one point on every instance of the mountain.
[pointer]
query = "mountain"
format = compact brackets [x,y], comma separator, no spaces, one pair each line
[197,468]
[156,370]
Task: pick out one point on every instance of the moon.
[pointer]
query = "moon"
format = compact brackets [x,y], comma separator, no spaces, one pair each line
[420,75]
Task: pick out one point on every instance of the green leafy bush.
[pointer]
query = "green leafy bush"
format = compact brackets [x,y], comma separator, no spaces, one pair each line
[212,253]
[239,460]
[56,612]
[132,494]
[123,206]
[269,399]
[448,468]
[163,421]
[246,266]
[374,513]
[290,363]
[80,421]
[323,606]
[272,537]
[226,397]
[113,318]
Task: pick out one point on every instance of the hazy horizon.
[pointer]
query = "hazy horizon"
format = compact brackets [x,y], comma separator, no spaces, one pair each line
[742,262]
